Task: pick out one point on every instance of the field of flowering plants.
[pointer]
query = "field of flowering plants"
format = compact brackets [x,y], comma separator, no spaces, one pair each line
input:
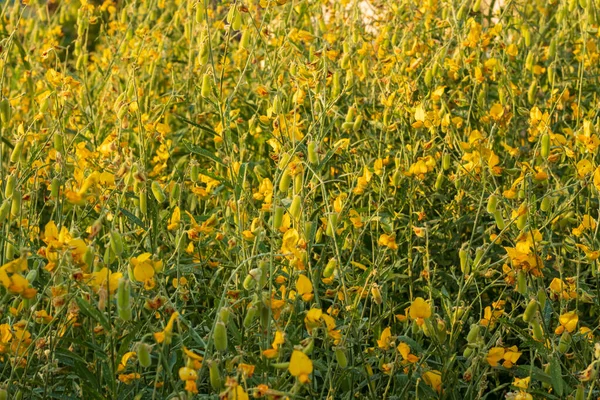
[299,199]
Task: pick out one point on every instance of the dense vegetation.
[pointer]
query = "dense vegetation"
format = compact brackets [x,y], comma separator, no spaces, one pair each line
[299,199]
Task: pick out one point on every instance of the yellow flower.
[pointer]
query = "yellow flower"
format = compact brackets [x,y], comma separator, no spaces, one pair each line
[433,378]
[385,339]
[495,354]
[304,288]
[128,378]
[511,355]
[388,241]
[312,318]
[175,219]
[522,383]
[124,360]
[404,351]
[144,269]
[237,393]
[300,366]
[567,321]
[104,279]
[290,240]
[584,167]
[419,310]
[165,335]
[187,374]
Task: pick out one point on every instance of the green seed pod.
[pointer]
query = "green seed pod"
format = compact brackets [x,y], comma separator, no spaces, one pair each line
[10,251]
[476,6]
[446,162]
[4,111]
[296,207]
[143,199]
[3,394]
[473,334]
[298,182]
[124,299]
[336,84]
[220,336]
[16,153]
[143,354]
[478,256]
[313,158]
[237,21]
[464,263]
[541,297]
[531,92]
[551,75]
[214,375]
[530,310]
[245,40]
[492,204]
[462,11]
[55,188]
[309,346]
[347,126]
[349,79]
[332,224]
[15,206]
[206,86]
[552,48]
[32,275]
[340,357]
[200,12]
[224,314]
[116,243]
[249,282]
[285,181]
[4,209]
[330,268]
[88,256]
[158,192]
[250,315]
[521,282]
[124,309]
[175,194]
[357,123]
[439,181]
[580,393]
[526,35]
[345,61]
[538,333]
[467,352]
[522,221]
[276,105]
[529,61]
[11,182]
[565,342]
[441,331]
[282,365]
[278,217]
[545,146]
[59,142]
[591,12]
[350,114]
[428,77]
[499,220]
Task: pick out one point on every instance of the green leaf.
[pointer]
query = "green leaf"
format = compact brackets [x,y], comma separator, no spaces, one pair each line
[556,374]
[202,152]
[94,314]
[133,218]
